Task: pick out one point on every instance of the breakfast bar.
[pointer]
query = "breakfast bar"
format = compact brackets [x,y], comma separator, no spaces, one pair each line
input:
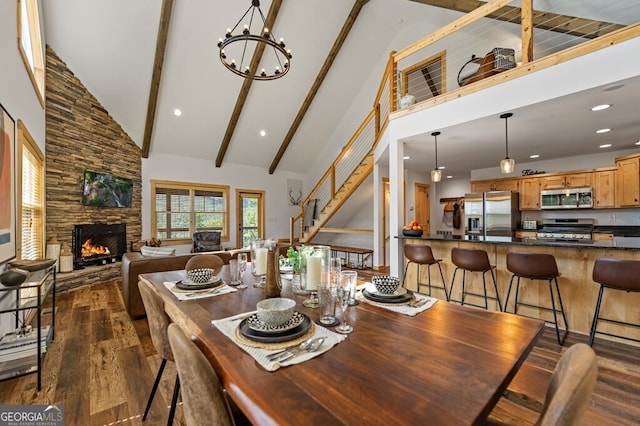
[575,260]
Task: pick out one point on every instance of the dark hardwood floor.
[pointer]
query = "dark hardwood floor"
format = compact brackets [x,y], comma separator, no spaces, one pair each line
[101,367]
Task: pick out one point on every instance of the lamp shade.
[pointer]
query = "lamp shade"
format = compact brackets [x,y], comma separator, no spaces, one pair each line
[436,175]
[507,165]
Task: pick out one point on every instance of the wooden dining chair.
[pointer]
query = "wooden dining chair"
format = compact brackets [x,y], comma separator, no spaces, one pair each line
[212,261]
[204,402]
[571,386]
[158,324]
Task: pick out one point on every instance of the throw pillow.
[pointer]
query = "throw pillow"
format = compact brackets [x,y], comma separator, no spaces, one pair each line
[157,251]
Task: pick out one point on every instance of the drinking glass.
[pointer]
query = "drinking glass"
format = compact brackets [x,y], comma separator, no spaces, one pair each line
[335,268]
[259,253]
[242,264]
[234,269]
[347,282]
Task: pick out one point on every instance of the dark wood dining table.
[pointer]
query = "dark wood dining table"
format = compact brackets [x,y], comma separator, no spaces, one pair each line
[447,365]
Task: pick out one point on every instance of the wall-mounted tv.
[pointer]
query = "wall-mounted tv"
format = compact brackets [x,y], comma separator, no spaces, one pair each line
[105,190]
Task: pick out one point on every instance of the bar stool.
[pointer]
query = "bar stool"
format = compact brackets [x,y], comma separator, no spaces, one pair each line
[472,260]
[535,266]
[614,274]
[422,255]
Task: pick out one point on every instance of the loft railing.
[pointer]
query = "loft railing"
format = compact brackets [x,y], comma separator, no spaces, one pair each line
[454,55]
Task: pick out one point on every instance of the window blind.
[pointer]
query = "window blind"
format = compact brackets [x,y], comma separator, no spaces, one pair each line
[32,204]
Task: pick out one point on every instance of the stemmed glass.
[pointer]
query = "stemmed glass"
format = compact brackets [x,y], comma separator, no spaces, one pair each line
[346,283]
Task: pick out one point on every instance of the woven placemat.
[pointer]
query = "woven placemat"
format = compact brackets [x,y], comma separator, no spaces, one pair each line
[272,346]
[386,305]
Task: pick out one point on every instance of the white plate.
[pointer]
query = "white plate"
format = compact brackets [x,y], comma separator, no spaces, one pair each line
[371,288]
[256,324]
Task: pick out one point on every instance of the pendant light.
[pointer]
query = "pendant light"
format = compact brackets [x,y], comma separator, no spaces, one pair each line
[508,164]
[436,174]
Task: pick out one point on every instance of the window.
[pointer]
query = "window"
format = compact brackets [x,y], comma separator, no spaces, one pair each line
[426,79]
[181,208]
[31,208]
[30,44]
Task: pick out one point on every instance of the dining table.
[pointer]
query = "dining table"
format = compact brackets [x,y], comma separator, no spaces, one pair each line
[449,364]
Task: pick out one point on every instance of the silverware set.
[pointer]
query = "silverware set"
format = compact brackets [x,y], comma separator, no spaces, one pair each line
[417,303]
[310,345]
[212,291]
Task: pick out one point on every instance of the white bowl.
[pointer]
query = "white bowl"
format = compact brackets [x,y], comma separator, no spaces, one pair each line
[276,311]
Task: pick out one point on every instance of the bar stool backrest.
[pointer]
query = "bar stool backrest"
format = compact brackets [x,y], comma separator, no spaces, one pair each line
[570,389]
[158,320]
[419,254]
[536,266]
[620,274]
[470,260]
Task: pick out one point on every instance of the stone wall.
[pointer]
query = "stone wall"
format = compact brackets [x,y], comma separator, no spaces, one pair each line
[81,135]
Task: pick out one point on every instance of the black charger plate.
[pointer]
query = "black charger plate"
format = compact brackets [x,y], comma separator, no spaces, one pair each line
[399,299]
[284,336]
[199,286]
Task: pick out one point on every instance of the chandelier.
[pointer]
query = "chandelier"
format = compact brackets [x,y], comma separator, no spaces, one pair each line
[245,44]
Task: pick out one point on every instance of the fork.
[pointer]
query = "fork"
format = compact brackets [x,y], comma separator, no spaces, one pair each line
[212,291]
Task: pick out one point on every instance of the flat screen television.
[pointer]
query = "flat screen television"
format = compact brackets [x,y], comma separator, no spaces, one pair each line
[105,190]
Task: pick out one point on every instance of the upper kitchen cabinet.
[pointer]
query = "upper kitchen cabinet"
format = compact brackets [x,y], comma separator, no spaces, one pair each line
[530,193]
[507,184]
[604,189]
[577,180]
[628,181]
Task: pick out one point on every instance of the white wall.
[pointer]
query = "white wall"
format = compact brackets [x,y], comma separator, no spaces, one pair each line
[18,97]
[170,167]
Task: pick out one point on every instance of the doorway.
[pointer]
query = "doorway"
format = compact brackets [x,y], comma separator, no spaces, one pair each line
[249,216]
[423,206]
[386,196]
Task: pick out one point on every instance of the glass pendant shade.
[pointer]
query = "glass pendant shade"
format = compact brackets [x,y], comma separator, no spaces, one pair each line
[436,175]
[507,165]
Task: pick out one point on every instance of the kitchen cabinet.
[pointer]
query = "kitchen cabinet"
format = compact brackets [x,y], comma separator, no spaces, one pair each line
[604,189]
[628,181]
[602,236]
[496,185]
[576,180]
[530,193]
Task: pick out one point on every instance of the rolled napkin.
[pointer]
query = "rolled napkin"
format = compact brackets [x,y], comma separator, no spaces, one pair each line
[425,302]
[197,294]
[228,327]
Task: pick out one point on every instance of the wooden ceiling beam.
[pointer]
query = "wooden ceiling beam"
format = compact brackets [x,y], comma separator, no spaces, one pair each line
[578,27]
[333,53]
[246,85]
[161,45]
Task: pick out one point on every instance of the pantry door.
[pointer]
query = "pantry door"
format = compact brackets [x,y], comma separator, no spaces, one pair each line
[423,204]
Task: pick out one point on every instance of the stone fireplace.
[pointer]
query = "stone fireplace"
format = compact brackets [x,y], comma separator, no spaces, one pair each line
[98,244]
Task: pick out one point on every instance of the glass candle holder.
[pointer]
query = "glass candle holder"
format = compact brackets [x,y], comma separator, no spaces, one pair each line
[317,271]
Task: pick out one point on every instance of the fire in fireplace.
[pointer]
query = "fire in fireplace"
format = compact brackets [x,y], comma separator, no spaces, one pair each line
[98,244]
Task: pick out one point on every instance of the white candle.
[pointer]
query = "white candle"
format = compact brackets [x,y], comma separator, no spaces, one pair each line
[314,272]
[261,260]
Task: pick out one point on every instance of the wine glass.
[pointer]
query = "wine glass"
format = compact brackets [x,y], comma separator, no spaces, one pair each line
[346,283]
[259,253]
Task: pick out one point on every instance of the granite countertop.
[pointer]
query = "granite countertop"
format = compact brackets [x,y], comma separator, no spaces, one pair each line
[628,243]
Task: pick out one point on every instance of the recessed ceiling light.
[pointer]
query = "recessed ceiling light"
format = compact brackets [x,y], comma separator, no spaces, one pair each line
[441,167]
[449,177]
[638,143]
[177,112]
[605,145]
[406,157]
[263,133]
[534,156]
[600,107]
[603,130]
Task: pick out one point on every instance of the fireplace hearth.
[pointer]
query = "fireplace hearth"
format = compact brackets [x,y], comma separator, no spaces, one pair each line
[98,244]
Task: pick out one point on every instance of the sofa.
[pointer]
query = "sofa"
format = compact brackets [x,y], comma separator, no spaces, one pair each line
[134,264]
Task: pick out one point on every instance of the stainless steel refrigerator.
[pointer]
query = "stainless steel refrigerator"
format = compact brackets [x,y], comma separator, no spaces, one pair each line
[498,216]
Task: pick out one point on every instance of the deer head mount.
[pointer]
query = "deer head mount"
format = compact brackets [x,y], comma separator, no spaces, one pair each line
[295,201]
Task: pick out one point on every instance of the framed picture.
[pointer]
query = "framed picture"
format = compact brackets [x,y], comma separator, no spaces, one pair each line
[7,187]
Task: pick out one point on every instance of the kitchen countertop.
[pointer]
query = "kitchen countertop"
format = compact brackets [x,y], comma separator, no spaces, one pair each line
[628,243]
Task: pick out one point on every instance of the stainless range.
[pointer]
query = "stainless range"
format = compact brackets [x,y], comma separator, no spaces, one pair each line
[566,229]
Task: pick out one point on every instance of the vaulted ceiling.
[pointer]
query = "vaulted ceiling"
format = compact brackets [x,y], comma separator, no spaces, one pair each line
[145,58]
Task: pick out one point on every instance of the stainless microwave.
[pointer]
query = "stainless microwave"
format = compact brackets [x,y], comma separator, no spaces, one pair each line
[570,198]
